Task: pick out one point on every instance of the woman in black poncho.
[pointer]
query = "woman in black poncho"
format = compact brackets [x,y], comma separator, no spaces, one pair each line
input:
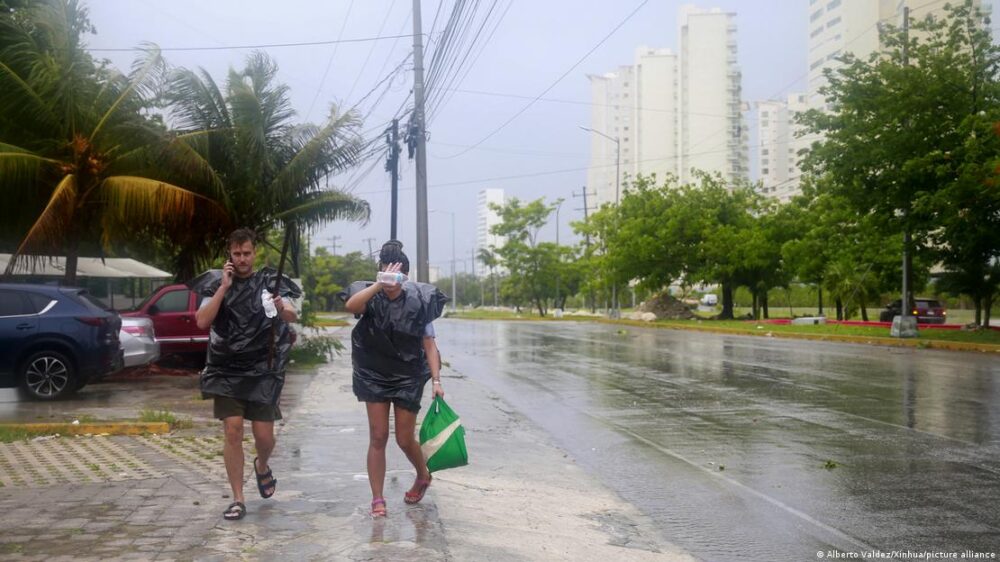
[394,354]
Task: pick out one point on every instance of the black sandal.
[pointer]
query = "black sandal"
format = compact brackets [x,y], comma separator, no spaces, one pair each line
[263,488]
[235,511]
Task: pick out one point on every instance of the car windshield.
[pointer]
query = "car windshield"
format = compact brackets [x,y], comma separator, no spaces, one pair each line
[929,304]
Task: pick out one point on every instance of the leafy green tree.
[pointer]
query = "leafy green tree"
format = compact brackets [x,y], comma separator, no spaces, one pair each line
[75,149]
[327,275]
[907,140]
[533,265]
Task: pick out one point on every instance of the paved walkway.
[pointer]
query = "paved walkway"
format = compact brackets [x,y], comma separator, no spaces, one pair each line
[521,498]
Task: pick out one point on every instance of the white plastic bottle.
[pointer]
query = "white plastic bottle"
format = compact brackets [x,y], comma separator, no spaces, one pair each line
[391,278]
[268,301]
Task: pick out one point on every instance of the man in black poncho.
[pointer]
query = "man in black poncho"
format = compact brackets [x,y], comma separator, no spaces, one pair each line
[241,374]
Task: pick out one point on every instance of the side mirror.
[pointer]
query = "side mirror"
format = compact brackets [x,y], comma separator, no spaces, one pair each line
[152,310]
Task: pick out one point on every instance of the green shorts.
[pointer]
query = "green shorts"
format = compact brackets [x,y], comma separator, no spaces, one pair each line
[226,407]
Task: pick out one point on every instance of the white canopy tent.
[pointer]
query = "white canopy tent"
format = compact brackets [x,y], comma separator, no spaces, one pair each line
[106,268]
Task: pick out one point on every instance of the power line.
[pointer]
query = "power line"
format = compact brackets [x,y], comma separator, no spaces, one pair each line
[329,61]
[258,46]
[569,170]
[463,69]
[370,51]
[557,81]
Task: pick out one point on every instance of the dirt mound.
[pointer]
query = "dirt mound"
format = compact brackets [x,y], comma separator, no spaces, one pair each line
[667,307]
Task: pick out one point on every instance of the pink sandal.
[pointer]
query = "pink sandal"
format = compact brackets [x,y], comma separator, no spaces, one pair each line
[422,485]
[380,510]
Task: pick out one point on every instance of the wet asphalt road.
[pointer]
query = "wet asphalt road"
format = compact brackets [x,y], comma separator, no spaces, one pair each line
[756,448]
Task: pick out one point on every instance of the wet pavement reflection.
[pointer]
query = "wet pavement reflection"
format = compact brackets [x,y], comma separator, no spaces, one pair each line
[756,448]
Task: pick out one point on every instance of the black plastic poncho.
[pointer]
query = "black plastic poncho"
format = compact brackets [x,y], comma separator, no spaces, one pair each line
[240,337]
[387,344]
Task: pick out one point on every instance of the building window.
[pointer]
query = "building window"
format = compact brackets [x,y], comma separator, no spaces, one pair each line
[816,32]
[833,22]
[764,152]
[815,64]
[765,171]
[765,162]
[833,4]
[815,15]
[765,123]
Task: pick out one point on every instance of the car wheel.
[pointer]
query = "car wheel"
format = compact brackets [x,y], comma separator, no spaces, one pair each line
[885,316]
[48,375]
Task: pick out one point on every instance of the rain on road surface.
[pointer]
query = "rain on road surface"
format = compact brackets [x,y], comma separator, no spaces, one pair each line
[756,448]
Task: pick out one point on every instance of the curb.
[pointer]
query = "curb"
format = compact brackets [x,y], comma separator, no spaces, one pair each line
[111,428]
[834,338]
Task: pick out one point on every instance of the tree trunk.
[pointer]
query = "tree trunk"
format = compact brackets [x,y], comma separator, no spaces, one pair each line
[840,309]
[979,310]
[864,309]
[754,306]
[988,308]
[72,259]
[727,301]
[764,305]
[820,300]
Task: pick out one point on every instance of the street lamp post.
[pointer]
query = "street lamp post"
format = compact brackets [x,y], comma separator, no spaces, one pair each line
[615,313]
[454,294]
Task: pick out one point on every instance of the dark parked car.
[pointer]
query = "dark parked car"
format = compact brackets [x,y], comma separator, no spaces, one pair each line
[54,340]
[927,311]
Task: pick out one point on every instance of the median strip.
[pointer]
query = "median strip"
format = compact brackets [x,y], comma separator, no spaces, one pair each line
[18,431]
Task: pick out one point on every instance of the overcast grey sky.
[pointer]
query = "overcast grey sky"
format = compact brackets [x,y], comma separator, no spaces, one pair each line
[535,43]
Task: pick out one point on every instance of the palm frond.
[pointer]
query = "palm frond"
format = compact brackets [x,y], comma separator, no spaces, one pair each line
[317,208]
[131,200]
[51,228]
[144,70]
[17,97]
[18,168]
[196,102]
[333,148]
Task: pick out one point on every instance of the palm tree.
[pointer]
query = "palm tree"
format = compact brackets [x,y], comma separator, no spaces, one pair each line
[76,149]
[490,259]
[273,172]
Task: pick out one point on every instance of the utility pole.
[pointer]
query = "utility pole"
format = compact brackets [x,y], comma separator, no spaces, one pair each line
[392,166]
[418,139]
[333,243]
[586,220]
[907,327]
[371,254]
[558,272]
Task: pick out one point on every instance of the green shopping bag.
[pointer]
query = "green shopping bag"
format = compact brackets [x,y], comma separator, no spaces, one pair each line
[442,437]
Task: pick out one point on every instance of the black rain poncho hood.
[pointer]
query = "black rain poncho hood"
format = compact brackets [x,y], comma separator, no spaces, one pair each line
[387,343]
[240,337]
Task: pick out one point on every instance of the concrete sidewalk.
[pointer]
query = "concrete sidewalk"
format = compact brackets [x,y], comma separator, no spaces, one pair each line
[521,498]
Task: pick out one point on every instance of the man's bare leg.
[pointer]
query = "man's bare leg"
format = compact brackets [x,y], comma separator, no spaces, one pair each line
[232,453]
[263,436]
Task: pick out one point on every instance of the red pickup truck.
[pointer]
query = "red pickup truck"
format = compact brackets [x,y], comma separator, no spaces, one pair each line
[172,309]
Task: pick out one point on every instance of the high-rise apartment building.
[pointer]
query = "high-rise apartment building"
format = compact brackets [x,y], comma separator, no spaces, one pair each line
[671,112]
[781,145]
[487,218]
[712,134]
